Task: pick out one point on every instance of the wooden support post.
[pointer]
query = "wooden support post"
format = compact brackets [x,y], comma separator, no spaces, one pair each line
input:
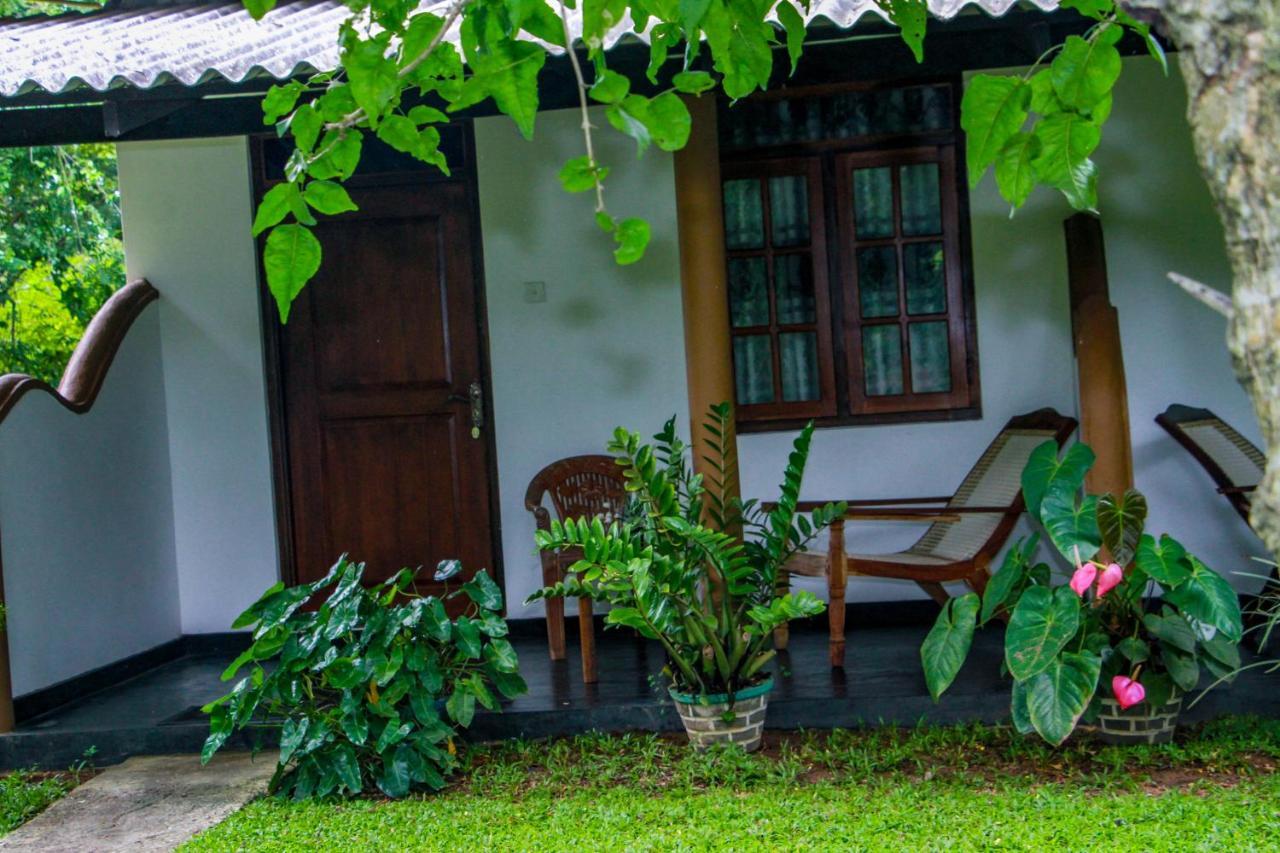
[1095,332]
[7,720]
[704,283]
[703,272]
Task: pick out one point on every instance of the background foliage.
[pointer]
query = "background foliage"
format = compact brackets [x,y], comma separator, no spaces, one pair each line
[60,251]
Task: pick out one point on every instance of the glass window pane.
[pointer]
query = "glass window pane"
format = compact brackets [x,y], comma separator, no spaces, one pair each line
[878,281]
[882,359]
[921,203]
[926,284]
[930,357]
[743,214]
[789,210]
[753,369]
[748,292]
[873,202]
[799,352]
[793,288]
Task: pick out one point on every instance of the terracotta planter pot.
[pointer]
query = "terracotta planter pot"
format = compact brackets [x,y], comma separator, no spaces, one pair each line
[1140,724]
[712,719]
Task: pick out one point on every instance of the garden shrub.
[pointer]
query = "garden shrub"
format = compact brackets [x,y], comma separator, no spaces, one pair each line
[371,685]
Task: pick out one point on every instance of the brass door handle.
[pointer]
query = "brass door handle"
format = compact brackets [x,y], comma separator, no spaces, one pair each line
[475,399]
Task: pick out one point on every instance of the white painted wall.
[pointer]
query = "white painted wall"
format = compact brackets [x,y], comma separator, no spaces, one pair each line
[606,348]
[88,530]
[187,211]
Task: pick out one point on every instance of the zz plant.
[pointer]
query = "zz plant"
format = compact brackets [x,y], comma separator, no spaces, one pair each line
[372,685]
[693,567]
[1143,625]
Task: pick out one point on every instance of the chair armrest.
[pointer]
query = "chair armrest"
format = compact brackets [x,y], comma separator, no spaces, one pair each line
[810,506]
[944,514]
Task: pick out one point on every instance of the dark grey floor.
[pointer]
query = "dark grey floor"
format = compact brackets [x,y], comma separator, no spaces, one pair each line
[155,712]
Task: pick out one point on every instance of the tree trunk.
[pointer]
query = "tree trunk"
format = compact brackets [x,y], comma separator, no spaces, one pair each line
[1229,53]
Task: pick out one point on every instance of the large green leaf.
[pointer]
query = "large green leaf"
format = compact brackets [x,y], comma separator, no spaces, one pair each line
[291,259]
[1165,561]
[1045,471]
[1172,629]
[1012,571]
[1183,667]
[1059,695]
[1018,709]
[993,109]
[947,644]
[1207,596]
[1066,141]
[1085,70]
[1120,520]
[1042,624]
[507,71]
[1015,176]
[373,75]
[1072,524]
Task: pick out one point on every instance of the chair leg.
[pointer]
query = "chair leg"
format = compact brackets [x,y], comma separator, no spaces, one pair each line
[836,580]
[587,638]
[782,634]
[936,591]
[555,616]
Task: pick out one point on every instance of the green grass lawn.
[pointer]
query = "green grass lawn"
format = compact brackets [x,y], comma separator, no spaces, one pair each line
[24,795]
[966,788]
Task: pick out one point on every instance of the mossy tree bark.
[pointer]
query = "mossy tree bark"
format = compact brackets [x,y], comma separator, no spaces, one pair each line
[1229,53]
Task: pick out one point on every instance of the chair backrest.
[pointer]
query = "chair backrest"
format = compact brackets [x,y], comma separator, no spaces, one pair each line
[1234,462]
[579,487]
[995,481]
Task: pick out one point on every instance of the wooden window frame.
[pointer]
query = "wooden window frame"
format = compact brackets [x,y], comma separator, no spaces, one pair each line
[839,347]
[816,248]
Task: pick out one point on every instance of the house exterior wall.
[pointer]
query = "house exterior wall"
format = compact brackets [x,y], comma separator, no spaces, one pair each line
[606,348]
[187,210]
[88,527]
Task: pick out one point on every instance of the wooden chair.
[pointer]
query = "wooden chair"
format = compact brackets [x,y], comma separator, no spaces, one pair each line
[965,533]
[1233,462]
[577,487]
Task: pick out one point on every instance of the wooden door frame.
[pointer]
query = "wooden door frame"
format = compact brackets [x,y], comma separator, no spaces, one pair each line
[282,492]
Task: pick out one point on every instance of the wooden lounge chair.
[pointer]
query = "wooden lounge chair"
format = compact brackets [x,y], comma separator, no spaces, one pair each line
[1233,462]
[966,530]
[578,487]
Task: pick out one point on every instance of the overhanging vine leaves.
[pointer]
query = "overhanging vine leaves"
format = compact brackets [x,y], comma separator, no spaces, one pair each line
[405,68]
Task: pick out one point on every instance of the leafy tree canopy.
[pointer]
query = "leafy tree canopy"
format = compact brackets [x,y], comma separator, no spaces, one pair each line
[400,78]
[60,251]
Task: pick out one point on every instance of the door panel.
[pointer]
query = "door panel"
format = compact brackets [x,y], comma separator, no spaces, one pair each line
[376,363]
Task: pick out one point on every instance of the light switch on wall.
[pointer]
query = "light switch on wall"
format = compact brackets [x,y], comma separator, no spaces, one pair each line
[535,291]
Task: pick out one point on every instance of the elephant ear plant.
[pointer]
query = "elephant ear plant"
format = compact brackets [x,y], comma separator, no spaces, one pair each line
[372,685]
[694,568]
[1131,632]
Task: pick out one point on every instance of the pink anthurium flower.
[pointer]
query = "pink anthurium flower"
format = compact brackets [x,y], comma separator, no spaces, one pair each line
[1127,691]
[1083,579]
[1110,579]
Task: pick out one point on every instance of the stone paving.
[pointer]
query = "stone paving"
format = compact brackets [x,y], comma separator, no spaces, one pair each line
[145,804]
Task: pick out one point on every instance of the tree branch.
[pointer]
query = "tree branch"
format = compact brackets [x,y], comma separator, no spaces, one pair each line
[582,105]
[1214,298]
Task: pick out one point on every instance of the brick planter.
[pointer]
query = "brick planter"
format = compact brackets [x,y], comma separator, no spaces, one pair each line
[1139,724]
[712,719]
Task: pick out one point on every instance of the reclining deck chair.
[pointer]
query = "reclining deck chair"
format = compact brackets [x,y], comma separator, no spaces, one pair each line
[577,487]
[966,531]
[1233,462]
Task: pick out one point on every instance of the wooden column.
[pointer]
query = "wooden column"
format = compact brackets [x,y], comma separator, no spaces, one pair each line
[1095,332]
[703,275]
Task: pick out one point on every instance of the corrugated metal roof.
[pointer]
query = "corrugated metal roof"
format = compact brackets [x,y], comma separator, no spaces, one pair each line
[196,42]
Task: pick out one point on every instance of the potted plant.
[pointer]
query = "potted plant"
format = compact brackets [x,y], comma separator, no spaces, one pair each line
[696,569]
[1121,641]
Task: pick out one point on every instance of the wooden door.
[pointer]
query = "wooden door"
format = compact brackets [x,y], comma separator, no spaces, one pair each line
[382,383]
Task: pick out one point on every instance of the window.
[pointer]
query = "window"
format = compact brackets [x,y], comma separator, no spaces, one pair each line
[848,258]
